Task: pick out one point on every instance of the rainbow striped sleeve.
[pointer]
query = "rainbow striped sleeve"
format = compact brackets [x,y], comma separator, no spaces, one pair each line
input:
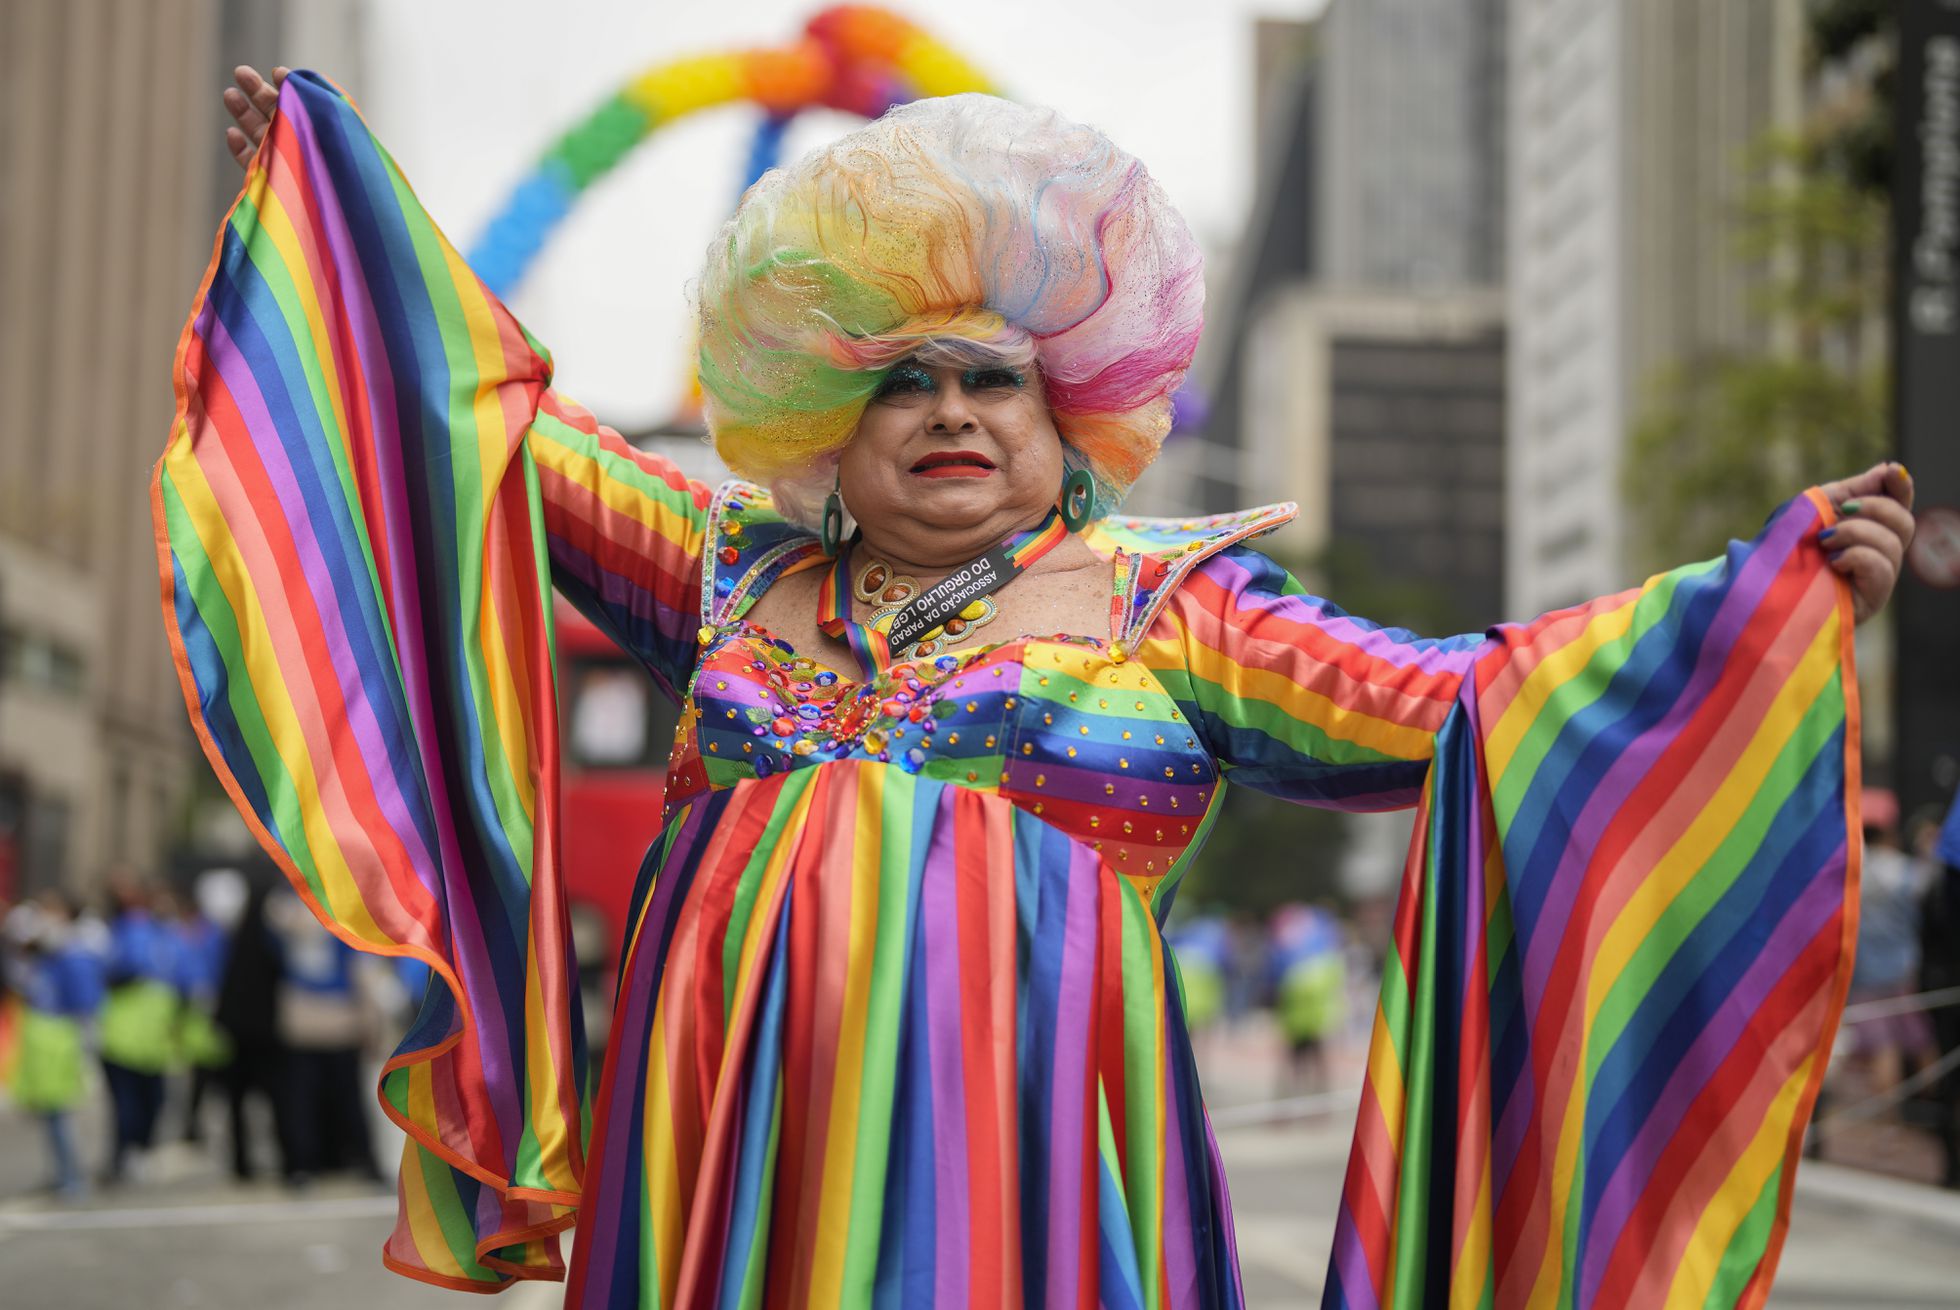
[625,532]
[367,491]
[1298,698]
[1620,952]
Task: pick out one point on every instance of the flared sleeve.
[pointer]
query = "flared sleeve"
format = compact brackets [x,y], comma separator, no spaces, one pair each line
[367,493]
[1298,698]
[1625,925]
[1621,949]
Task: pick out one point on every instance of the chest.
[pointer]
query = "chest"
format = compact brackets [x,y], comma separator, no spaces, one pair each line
[1074,599]
[1068,729]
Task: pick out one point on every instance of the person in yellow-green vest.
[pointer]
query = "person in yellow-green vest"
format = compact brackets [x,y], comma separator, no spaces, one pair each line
[1203,946]
[55,985]
[139,1021]
[1309,974]
[199,931]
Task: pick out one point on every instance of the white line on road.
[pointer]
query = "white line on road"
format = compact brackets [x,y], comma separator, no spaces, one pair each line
[531,1295]
[198,1216]
[1293,1107]
[1816,1181]
[1862,1190]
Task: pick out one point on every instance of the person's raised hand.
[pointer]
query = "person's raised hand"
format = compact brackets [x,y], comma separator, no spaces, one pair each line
[251,104]
[1868,543]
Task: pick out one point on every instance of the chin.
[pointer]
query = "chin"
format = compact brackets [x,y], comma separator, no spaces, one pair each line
[961,499]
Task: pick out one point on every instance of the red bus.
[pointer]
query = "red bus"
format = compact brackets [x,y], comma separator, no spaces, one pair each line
[616,729]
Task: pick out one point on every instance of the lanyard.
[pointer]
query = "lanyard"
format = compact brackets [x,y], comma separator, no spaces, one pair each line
[930,608]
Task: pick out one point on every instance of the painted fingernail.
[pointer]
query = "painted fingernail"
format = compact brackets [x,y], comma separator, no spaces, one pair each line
[1825,535]
[1834,556]
[1849,507]
[1904,472]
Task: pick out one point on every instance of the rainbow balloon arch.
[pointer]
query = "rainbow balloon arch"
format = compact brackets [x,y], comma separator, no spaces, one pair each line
[856,58]
[859,59]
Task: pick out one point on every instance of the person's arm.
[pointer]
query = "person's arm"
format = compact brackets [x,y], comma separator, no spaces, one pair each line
[1303,700]
[1298,698]
[625,531]
[1621,944]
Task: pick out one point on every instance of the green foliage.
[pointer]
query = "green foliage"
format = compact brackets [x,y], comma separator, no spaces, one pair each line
[1837,27]
[1723,437]
[1265,852]
[1854,135]
[1348,573]
[1728,437]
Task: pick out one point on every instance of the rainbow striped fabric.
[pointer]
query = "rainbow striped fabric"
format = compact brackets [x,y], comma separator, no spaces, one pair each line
[896,1024]
[359,611]
[889,1041]
[1621,949]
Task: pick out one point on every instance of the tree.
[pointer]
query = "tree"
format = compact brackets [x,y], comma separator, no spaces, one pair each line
[1264,852]
[1723,435]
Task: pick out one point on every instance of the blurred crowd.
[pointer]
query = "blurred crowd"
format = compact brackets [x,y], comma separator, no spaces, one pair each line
[228,1018]
[1897,1057]
[1300,963]
[172,1003]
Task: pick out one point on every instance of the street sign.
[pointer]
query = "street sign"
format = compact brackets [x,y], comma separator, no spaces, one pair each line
[1926,374]
[1935,551]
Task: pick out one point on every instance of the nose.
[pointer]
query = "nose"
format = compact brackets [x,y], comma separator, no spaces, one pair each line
[952,413]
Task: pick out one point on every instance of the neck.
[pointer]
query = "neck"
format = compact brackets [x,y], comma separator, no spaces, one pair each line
[930,558]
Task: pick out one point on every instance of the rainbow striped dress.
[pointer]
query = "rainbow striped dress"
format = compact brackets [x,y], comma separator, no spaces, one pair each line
[895,1023]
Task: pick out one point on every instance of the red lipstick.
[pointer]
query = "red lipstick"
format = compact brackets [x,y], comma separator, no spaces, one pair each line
[954,464]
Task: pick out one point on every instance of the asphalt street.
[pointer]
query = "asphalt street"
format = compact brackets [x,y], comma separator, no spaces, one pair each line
[186,1237]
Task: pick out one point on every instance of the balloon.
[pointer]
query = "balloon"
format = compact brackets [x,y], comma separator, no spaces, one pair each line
[857,58]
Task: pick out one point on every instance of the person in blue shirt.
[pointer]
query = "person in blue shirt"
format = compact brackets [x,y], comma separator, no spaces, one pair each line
[1948,846]
[139,1020]
[57,982]
[201,940]
[1202,945]
[1309,973]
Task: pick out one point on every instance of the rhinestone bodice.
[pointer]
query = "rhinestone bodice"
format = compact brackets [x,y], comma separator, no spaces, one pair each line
[1069,728]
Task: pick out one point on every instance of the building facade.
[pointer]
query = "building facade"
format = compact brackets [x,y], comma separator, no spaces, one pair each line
[111,144]
[1409,178]
[1356,356]
[1631,128]
[1382,413]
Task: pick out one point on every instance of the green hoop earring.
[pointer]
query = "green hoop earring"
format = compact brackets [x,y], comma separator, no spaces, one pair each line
[1078,499]
[833,519]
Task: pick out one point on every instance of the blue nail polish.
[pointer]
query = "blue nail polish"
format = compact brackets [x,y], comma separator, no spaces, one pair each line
[1825,535]
[1834,556]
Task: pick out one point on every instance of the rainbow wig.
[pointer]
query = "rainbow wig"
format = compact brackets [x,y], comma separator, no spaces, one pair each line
[964,222]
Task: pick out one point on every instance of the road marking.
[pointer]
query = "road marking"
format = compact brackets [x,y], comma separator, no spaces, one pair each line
[1263,1113]
[199,1216]
[323,1258]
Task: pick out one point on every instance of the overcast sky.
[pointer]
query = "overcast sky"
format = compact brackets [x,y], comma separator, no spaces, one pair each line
[467,92]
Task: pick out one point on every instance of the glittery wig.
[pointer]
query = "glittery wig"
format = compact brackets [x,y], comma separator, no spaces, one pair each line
[958,219]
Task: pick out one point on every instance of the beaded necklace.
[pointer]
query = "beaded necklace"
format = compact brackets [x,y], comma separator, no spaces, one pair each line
[909,622]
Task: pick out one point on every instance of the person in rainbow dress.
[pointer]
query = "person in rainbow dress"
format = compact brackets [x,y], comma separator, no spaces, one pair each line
[895,1022]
